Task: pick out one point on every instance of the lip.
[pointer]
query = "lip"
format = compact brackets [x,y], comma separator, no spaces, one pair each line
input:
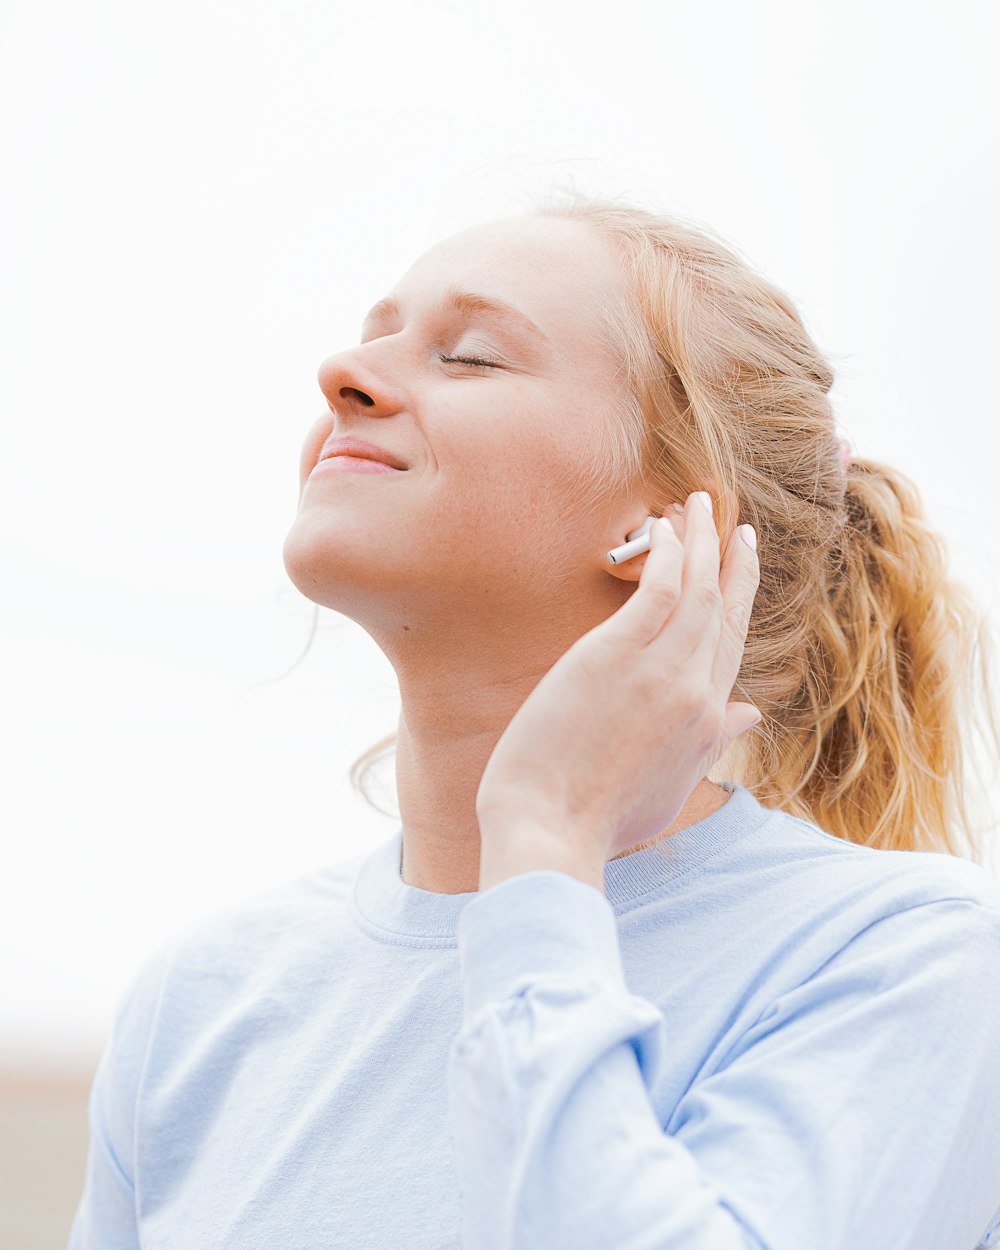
[359,447]
[343,463]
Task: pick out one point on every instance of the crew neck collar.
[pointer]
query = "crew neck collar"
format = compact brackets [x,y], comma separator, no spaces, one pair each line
[392,911]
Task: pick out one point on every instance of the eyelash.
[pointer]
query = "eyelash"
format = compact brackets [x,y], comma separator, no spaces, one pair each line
[475,361]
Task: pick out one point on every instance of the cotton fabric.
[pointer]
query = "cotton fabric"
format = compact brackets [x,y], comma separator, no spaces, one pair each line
[759,1037]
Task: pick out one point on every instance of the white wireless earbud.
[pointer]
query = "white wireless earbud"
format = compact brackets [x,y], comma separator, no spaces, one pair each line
[638,542]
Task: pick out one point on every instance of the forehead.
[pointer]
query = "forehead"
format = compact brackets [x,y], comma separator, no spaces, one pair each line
[558,272]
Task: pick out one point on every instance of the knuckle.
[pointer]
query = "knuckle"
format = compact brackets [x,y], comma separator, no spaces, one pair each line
[689,699]
[738,618]
[710,722]
[708,594]
[663,594]
[695,701]
[648,701]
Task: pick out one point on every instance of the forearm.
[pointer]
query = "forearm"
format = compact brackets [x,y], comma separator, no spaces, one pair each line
[556,1142]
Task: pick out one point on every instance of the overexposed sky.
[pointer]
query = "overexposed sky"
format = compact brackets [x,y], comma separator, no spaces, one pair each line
[198,203]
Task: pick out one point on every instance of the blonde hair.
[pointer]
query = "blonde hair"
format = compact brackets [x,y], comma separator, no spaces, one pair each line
[863,656]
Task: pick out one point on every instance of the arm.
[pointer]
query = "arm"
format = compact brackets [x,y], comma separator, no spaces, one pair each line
[860,1112]
[105,1218]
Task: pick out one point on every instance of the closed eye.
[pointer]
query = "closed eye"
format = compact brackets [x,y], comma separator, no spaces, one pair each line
[476,362]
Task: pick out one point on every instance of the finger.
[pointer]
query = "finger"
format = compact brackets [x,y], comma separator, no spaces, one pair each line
[738,582]
[738,718]
[696,622]
[699,518]
[643,615]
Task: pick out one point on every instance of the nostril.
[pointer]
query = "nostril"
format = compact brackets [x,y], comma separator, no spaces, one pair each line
[353,390]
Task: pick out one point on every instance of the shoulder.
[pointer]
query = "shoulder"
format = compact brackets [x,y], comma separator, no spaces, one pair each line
[864,1036]
[291,908]
[866,942]
[211,969]
[873,879]
[802,899]
[247,942]
[902,917]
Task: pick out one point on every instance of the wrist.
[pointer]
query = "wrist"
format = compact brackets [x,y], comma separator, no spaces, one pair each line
[509,850]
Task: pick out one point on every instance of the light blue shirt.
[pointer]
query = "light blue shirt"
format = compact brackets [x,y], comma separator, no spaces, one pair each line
[761,1038]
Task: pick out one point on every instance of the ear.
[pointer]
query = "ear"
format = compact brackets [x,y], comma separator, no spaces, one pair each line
[628,570]
[631,570]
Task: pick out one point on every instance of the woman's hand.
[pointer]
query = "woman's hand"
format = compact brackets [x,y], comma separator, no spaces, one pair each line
[610,744]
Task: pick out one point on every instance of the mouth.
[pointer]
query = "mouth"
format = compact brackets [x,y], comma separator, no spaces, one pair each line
[357,448]
[343,463]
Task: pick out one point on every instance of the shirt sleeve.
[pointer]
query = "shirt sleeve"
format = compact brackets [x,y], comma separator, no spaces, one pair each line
[861,1111]
[105,1217]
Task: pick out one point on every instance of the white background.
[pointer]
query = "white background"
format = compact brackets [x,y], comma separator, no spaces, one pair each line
[199,202]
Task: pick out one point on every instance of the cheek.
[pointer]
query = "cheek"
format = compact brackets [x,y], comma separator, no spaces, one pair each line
[319,432]
[515,437]
[511,487]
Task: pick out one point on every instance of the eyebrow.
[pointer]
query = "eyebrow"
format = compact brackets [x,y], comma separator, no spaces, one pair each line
[462,301]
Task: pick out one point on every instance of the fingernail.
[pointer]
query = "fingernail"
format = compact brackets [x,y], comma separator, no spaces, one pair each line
[749,535]
[705,499]
[677,507]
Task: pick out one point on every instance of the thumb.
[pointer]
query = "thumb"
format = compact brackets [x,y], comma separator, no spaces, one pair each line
[738,719]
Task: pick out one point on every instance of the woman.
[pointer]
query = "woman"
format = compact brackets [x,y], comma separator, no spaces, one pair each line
[589,995]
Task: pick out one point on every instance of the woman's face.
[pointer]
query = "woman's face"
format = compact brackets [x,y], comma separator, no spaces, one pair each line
[488,517]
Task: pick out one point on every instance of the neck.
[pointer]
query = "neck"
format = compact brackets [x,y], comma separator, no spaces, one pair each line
[463,673]
[439,765]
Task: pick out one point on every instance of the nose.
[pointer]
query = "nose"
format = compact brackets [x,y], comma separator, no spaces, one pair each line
[350,382]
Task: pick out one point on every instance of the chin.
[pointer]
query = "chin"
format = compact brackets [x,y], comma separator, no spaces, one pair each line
[310,560]
[336,569]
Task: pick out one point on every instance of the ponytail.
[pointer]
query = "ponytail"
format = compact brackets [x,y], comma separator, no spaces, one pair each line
[881,751]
